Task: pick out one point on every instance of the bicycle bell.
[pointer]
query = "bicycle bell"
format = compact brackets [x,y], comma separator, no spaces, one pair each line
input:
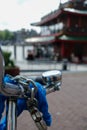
[52,77]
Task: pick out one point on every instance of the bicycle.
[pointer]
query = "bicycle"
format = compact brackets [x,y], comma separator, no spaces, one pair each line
[51,82]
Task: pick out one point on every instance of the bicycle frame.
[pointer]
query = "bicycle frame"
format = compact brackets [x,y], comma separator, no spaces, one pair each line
[11,114]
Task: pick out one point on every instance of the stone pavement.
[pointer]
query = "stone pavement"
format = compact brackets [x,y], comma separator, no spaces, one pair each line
[67,106]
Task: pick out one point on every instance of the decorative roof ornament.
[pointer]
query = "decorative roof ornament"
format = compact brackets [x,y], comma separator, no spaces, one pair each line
[76,4]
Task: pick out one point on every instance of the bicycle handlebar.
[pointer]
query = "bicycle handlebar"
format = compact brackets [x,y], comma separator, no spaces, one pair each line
[22,87]
[52,82]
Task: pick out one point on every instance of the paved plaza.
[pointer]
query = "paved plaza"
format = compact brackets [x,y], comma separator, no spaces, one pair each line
[34,68]
[67,106]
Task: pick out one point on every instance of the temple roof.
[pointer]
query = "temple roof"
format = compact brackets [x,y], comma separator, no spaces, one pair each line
[53,38]
[73,38]
[54,15]
[47,18]
[40,39]
[71,10]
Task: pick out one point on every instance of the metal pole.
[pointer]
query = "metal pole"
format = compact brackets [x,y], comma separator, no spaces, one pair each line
[15,52]
[23,47]
[11,117]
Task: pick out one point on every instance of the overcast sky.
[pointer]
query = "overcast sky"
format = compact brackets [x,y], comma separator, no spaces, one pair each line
[18,14]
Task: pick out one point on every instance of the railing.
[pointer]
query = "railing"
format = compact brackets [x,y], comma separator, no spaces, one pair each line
[76,31]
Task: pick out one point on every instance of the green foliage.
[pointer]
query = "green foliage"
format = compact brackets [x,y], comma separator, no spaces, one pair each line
[6,35]
[7,58]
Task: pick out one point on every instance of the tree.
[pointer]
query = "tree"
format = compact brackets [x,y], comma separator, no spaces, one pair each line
[6,35]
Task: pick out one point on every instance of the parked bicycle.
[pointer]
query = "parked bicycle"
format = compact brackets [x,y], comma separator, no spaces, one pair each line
[51,81]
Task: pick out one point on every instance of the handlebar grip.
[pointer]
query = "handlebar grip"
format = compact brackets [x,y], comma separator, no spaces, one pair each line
[10,89]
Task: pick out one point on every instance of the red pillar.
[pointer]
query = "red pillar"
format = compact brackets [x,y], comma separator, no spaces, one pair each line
[62,50]
[79,22]
[68,21]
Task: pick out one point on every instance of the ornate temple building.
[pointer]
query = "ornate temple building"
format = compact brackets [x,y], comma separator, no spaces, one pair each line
[65,31]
